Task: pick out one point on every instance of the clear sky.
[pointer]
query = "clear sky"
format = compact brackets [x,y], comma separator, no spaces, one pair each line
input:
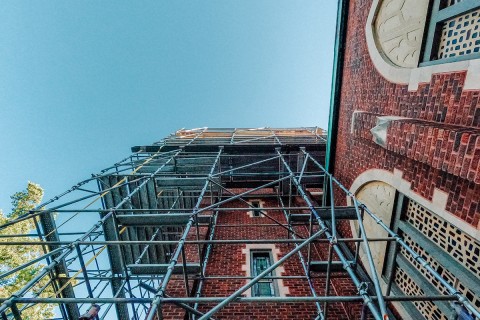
[83,81]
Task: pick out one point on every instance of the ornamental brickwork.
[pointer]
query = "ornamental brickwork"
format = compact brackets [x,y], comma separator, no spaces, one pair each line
[435,141]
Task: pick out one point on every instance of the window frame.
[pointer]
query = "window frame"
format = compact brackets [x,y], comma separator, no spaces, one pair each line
[395,259]
[253,273]
[257,212]
[433,30]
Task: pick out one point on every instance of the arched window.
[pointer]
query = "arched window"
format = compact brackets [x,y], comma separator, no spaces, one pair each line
[410,40]
[448,250]
[453,32]
[454,254]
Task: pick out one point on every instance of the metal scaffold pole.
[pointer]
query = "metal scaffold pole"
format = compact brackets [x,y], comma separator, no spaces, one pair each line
[360,285]
[161,291]
[154,233]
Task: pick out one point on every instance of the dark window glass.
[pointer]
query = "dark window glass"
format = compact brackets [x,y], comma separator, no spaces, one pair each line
[261,260]
[256,208]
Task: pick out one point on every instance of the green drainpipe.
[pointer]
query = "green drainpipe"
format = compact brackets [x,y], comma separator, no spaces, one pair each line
[339,51]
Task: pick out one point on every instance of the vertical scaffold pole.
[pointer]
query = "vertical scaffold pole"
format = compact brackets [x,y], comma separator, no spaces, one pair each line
[161,292]
[346,265]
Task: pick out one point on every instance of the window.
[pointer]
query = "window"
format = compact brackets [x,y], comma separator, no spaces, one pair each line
[260,261]
[256,211]
[453,32]
[256,206]
[450,251]
[409,41]
[258,257]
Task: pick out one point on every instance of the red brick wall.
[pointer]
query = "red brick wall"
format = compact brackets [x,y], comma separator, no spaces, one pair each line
[176,285]
[227,259]
[437,147]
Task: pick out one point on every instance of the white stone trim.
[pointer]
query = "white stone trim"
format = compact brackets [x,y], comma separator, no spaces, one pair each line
[283,291]
[354,115]
[437,205]
[412,77]
[379,132]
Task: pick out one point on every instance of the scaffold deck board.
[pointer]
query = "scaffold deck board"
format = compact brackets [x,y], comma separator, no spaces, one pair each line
[180,182]
[341,213]
[145,269]
[321,266]
[166,219]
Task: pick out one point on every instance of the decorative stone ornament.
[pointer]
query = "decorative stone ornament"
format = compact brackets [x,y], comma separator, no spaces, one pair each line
[394,35]
[399,30]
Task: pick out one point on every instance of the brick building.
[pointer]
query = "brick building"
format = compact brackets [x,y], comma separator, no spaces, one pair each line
[237,223]
[255,226]
[221,223]
[258,198]
[405,138]
[224,223]
[258,202]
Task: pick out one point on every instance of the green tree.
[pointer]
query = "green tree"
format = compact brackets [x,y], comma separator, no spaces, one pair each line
[13,256]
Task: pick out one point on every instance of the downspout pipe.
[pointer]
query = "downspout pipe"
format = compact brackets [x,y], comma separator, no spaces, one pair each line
[337,75]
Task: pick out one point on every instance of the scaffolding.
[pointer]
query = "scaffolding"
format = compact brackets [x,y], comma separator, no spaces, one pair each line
[119,238]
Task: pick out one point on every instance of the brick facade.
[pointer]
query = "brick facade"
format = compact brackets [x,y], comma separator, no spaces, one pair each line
[436,143]
[423,140]
[230,260]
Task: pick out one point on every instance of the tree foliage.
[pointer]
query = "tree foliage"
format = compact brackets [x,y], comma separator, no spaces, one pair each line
[12,256]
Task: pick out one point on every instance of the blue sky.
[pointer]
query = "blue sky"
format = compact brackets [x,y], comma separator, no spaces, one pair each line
[83,81]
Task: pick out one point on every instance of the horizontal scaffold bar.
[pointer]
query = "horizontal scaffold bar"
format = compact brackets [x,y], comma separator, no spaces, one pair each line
[183,210]
[231,241]
[239,299]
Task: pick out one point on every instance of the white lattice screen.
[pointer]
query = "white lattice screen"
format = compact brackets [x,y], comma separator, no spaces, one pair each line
[467,293]
[453,241]
[428,309]
[447,275]
[460,35]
